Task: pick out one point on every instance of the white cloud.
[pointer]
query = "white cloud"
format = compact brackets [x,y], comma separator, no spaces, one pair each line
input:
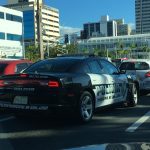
[68,30]
[132,25]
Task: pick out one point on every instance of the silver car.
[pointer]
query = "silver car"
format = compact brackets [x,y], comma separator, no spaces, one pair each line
[139,69]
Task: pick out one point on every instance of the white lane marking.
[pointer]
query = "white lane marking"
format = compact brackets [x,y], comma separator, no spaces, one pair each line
[139,122]
[7,118]
[26,134]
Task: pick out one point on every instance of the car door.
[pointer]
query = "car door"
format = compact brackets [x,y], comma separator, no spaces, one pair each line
[117,83]
[98,82]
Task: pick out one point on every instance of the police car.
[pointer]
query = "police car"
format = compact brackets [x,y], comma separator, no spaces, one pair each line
[80,83]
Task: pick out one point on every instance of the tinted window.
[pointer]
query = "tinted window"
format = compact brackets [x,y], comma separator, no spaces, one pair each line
[127,66]
[95,67]
[81,68]
[2,35]
[13,18]
[116,62]
[1,15]
[53,66]
[20,1]
[14,37]
[2,68]
[141,66]
[107,67]
[28,19]
[134,66]
[20,67]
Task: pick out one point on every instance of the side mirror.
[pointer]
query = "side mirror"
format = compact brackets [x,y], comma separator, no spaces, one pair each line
[122,71]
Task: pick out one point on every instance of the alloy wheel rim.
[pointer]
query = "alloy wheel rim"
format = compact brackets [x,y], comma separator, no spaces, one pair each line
[135,96]
[86,107]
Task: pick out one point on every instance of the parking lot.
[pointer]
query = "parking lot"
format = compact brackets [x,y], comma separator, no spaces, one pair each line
[115,125]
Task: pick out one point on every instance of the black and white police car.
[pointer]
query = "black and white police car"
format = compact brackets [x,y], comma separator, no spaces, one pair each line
[81,83]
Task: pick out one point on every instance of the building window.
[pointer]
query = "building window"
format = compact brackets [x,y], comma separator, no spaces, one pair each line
[21,1]
[13,18]
[110,28]
[1,15]
[2,35]
[14,37]
[28,19]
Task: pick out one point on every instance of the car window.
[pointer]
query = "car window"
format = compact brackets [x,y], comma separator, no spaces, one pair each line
[81,68]
[20,67]
[2,68]
[52,66]
[134,66]
[107,67]
[127,66]
[141,66]
[95,67]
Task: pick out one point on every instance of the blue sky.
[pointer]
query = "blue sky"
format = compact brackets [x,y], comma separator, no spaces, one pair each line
[76,12]
[73,13]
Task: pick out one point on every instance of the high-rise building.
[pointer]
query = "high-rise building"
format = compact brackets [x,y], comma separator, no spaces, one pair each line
[11,33]
[103,28]
[123,29]
[50,20]
[142,15]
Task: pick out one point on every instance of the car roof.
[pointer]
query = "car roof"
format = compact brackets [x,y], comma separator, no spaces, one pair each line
[80,57]
[8,61]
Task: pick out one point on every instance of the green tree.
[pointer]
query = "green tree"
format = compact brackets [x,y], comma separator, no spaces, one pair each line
[72,48]
[32,53]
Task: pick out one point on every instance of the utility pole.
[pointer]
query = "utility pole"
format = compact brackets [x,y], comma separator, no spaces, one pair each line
[39,28]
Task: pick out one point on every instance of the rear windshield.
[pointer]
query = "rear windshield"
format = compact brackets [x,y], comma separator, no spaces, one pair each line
[2,68]
[116,62]
[134,66]
[52,66]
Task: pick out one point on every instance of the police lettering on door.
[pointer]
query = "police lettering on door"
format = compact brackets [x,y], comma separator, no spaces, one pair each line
[109,91]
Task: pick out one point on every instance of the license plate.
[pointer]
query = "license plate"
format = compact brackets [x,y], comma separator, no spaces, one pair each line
[20,100]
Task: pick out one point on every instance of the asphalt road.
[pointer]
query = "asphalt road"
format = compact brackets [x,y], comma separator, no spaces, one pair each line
[108,126]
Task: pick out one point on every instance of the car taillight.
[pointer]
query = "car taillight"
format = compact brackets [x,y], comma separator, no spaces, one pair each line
[2,83]
[53,84]
[23,75]
[147,74]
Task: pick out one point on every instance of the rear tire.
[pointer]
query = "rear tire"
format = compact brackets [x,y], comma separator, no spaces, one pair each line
[85,107]
[132,98]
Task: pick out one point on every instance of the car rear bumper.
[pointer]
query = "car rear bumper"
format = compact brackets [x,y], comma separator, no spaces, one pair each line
[36,109]
[145,84]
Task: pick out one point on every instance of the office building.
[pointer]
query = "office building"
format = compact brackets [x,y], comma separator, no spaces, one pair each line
[106,27]
[103,28]
[11,33]
[71,38]
[50,20]
[123,29]
[124,42]
[142,16]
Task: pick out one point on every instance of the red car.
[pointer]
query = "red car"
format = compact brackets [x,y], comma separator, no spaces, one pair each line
[12,66]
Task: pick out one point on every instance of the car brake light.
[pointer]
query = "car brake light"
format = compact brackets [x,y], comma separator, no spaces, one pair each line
[2,83]
[23,75]
[147,74]
[53,84]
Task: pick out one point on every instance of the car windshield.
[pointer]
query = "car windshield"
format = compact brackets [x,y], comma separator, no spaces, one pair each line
[52,66]
[134,66]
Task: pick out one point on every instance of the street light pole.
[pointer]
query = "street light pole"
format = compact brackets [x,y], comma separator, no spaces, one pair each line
[39,29]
